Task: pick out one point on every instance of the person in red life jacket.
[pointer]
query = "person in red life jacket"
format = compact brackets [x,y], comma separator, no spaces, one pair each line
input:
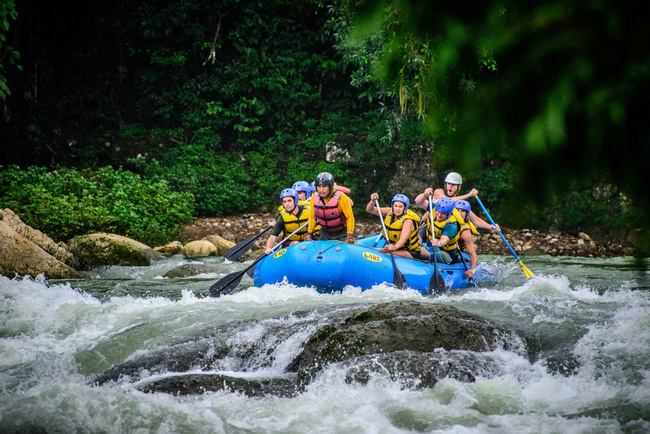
[337,188]
[453,183]
[332,210]
[290,221]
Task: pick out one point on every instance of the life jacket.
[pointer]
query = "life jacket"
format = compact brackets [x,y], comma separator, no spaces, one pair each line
[346,191]
[394,229]
[466,225]
[328,214]
[293,222]
[439,226]
[304,203]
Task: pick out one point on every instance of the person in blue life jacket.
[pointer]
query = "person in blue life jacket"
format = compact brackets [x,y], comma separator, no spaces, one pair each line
[453,184]
[401,225]
[290,220]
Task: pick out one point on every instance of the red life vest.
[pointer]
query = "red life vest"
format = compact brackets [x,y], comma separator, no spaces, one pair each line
[328,215]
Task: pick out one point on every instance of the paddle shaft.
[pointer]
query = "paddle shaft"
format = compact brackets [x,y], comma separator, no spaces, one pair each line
[492,221]
[528,273]
[230,282]
[436,284]
[398,278]
[381,219]
[243,246]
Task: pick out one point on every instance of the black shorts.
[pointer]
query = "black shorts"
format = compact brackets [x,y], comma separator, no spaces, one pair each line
[416,254]
[341,235]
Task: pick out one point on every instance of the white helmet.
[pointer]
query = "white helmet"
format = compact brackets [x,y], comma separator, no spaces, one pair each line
[453,178]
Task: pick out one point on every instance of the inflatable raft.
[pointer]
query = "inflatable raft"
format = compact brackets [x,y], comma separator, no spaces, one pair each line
[332,265]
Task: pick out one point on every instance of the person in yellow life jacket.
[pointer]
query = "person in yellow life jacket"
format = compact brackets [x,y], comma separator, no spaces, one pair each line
[467,230]
[453,183]
[304,191]
[401,224]
[293,216]
[332,210]
[446,230]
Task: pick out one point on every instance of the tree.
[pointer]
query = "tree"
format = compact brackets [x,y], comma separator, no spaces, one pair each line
[563,87]
[8,54]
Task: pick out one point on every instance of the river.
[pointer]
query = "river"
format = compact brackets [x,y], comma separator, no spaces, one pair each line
[590,318]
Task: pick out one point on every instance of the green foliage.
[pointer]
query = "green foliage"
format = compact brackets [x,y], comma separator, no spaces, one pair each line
[8,54]
[233,101]
[66,203]
[567,98]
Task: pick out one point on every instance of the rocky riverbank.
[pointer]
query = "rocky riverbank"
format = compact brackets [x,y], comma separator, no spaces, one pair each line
[525,241]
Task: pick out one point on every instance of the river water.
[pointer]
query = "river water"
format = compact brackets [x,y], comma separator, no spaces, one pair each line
[589,317]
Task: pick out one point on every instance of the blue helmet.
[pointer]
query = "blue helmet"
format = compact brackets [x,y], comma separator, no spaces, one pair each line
[445,205]
[463,205]
[290,192]
[302,186]
[401,198]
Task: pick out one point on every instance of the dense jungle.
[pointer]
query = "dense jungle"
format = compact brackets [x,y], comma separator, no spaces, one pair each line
[139,117]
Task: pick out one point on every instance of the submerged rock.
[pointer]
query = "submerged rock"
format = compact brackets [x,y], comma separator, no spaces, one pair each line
[414,343]
[418,370]
[191,384]
[403,326]
[188,270]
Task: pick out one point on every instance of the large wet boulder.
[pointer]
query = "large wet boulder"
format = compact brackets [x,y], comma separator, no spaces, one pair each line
[414,343]
[199,248]
[58,250]
[403,326]
[22,256]
[105,250]
[220,243]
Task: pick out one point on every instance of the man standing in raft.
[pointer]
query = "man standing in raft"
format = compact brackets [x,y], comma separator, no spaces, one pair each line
[332,210]
[453,182]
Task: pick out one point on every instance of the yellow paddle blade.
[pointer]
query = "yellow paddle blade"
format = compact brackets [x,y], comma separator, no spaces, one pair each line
[528,273]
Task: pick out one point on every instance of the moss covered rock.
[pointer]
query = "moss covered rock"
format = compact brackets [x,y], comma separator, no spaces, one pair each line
[105,250]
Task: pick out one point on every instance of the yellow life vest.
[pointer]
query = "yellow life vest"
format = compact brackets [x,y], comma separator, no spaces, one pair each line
[439,226]
[394,229]
[293,222]
[304,203]
[465,224]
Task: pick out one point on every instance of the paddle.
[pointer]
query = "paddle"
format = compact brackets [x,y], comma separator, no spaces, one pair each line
[528,273]
[230,281]
[233,253]
[462,258]
[398,278]
[436,284]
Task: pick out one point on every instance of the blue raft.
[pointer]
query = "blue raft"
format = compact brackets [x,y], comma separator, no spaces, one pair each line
[331,265]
